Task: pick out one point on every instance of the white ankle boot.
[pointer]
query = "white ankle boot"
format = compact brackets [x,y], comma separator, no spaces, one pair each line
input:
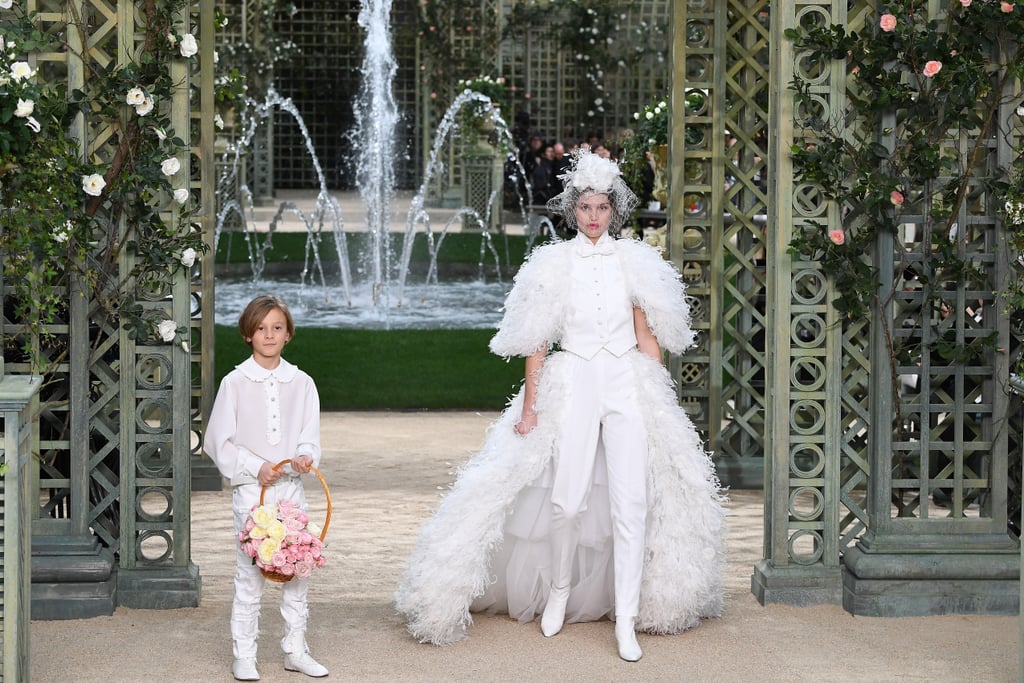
[297,657]
[244,669]
[303,662]
[554,611]
[625,636]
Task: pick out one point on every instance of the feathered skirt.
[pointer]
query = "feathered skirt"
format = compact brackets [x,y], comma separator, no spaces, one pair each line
[487,547]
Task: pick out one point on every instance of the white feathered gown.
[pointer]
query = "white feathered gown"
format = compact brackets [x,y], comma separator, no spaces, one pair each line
[486,547]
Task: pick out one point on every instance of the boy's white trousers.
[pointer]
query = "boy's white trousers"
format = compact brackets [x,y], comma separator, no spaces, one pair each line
[602,407]
[249,582]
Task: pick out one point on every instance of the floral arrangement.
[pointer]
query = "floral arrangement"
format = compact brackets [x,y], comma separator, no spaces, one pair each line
[649,131]
[652,124]
[919,81]
[282,541]
[476,115]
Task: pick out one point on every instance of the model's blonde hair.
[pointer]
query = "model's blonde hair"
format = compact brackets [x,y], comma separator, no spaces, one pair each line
[257,310]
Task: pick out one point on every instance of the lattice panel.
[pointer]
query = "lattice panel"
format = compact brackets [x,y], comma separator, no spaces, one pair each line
[106,398]
[700,234]
[804,497]
[323,80]
[935,466]
[724,103]
[856,367]
[564,102]
[201,289]
[745,116]
[942,454]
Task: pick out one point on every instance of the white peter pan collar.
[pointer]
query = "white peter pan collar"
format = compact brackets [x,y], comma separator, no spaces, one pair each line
[284,372]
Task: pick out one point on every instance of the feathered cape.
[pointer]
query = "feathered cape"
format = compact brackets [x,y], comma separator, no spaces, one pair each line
[451,566]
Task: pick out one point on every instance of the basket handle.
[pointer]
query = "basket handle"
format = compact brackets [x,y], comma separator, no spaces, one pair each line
[327,492]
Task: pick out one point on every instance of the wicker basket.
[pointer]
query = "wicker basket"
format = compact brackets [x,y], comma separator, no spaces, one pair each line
[281,578]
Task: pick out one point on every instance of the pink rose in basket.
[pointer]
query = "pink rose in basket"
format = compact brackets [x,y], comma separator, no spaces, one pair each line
[303,569]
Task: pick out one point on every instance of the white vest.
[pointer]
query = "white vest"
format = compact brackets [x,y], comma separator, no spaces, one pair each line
[600,312]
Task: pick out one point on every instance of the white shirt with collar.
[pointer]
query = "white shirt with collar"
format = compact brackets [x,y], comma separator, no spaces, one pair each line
[262,416]
[600,312]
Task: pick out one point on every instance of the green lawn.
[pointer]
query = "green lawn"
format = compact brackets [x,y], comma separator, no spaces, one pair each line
[388,369]
[392,369]
[290,247]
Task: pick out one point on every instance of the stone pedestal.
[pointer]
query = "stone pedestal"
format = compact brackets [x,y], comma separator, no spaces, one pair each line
[482,187]
[73,577]
[171,588]
[893,584]
[796,585]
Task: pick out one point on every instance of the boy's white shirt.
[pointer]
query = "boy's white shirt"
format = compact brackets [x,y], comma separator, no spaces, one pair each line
[262,416]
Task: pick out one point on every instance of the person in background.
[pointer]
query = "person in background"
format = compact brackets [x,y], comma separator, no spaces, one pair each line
[544,175]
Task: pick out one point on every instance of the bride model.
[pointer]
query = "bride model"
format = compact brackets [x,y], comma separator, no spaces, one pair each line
[592,495]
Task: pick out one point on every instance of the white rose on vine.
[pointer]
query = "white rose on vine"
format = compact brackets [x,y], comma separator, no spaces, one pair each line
[62,234]
[167,329]
[145,106]
[21,71]
[188,257]
[135,97]
[188,46]
[24,108]
[93,184]
[181,195]
[170,166]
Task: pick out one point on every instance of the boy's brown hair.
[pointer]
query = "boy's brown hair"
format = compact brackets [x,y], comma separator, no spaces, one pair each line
[257,310]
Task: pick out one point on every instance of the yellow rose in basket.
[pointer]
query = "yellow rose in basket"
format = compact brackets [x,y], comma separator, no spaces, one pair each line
[264,515]
[277,530]
[257,532]
[268,547]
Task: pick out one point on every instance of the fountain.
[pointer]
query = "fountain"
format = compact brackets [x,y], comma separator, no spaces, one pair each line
[387,299]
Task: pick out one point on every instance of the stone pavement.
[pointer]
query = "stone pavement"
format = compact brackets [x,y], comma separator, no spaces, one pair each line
[385,473]
[353,212]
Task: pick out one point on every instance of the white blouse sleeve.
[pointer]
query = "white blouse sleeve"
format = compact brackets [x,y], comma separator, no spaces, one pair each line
[309,435]
[219,441]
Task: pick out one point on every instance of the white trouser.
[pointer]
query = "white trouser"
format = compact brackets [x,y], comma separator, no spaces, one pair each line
[602,406]
[249,582]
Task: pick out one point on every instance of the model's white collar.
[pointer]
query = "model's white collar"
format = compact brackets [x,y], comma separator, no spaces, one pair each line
[584,247]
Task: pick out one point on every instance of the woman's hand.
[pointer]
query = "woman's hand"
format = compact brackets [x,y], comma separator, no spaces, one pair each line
[268,475]
[526,423]
[302,464]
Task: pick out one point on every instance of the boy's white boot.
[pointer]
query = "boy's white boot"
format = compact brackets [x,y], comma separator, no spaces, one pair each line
[297,657]
[245,669]
[245,630]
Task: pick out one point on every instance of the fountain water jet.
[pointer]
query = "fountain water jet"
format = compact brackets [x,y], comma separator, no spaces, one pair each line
[376,118]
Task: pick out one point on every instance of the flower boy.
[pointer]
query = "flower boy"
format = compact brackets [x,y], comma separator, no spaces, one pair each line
[267,410]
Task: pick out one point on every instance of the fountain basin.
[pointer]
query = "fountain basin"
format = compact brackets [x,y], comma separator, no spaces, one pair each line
[469,304]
